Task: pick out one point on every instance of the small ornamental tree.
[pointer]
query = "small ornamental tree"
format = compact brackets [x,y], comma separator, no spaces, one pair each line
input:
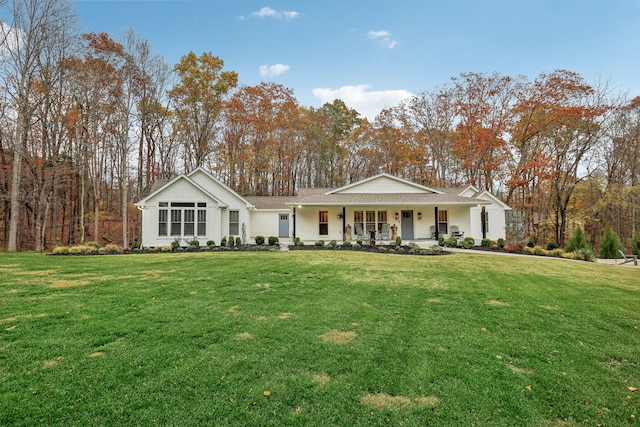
[610,244]
[578,241]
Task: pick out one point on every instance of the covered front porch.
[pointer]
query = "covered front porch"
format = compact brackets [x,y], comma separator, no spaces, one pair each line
[384,223]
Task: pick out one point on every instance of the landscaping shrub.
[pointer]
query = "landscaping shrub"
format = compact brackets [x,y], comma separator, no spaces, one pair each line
[333,243]
[501,242]
[552,245]
[468,242]
[359,242]
[296,240]
[452,242]
[512,247]
[231,241]
[273,240]
[372,242]
[610,244]
[111,249]
[530,244]
[557,252]
[195,243]
[223,242]
[586,254]
[260,240]
[485,243]
[346,244]
[299,242]
[441,240]
[319,243]
[60,250]
[94,245]
[635,244]
[538,250]
[175,244]
[238,241]
[398,241]
[211,243]
[577,241]
[166,248]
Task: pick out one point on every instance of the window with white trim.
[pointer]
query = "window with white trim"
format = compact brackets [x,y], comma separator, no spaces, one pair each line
[234,220]
[323,223]
[178,219]
[443,222]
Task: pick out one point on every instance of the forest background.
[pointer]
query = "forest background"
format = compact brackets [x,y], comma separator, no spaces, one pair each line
[90,123]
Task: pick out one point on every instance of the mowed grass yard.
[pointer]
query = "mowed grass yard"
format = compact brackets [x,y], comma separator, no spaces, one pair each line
[322,338]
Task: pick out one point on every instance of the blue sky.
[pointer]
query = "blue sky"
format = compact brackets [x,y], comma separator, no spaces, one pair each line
[373,53]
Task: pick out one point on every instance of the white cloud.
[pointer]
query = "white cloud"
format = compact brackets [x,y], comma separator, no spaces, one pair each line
[383,37]
[10,39]
[273,70]
[267,12]
[360,98]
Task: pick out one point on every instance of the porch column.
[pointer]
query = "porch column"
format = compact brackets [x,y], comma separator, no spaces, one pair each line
[435,215]
[294,222]
[344,223]
[483,221]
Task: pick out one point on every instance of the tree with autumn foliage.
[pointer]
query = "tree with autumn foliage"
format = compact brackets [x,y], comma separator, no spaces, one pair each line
[198,101]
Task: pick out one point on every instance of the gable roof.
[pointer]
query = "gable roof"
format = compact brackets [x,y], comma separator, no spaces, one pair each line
[201,171]
[173,182]
[384,183]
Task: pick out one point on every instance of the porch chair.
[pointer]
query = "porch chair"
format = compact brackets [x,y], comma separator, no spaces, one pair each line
[455,232]
[360,234]
[384,232]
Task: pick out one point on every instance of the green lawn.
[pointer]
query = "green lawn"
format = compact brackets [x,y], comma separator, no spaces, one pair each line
[317,338]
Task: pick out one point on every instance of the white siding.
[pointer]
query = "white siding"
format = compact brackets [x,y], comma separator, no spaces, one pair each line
[266,223]
[383,184]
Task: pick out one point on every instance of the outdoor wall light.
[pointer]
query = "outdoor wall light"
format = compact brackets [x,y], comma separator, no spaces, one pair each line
[397,216]
[419,215]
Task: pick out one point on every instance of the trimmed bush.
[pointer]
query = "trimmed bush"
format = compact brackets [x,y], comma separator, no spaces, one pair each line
[359,242]
[166,248]
[452,242]
[346,244]
[260,240]
[175,244]
[468,242]
[501,242]
[333,243]
[610,244]
[211,243]
[273,240]
[441,240]
[485,243]
[194,243]
[319,243]
[223,242]
[299,242]
[238,241]
[530,244]
[552,245]
[398,241]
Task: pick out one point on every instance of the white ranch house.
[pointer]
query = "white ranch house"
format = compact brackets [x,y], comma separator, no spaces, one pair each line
[198,206]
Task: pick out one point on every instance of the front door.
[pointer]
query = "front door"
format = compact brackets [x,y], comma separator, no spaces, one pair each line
[283,228]
[406,225]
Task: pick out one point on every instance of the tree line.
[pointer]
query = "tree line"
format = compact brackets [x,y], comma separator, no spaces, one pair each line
[90,123]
